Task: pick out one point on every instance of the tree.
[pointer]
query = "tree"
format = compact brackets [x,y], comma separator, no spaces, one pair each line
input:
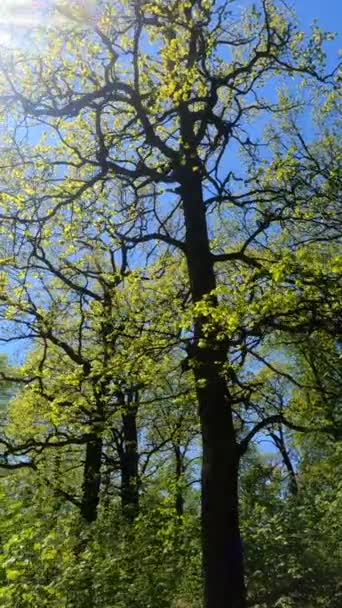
[145,109]
[88,384]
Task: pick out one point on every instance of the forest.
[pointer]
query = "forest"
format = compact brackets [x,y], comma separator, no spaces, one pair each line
[170,306]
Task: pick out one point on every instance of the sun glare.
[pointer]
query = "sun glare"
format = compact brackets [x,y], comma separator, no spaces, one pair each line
[19,17]
[21,13]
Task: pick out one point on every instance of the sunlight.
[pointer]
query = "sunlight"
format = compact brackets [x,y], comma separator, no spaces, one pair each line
[18,17]
[22,13]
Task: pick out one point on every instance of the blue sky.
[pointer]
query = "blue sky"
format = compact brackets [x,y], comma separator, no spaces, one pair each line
[329,16]
[329,12]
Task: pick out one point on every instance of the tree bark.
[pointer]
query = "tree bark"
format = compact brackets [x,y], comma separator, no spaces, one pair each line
[223,567]
[129,460]
[92,478]
[179,502]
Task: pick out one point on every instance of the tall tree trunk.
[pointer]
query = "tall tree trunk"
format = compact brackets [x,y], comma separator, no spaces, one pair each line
[89,502]
[91,478]
[221,544]
[129,459]
[179,502]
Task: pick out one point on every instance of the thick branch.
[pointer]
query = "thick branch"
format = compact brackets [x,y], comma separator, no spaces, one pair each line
[334,432]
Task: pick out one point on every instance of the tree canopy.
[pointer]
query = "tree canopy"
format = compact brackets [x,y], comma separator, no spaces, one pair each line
[170,198]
